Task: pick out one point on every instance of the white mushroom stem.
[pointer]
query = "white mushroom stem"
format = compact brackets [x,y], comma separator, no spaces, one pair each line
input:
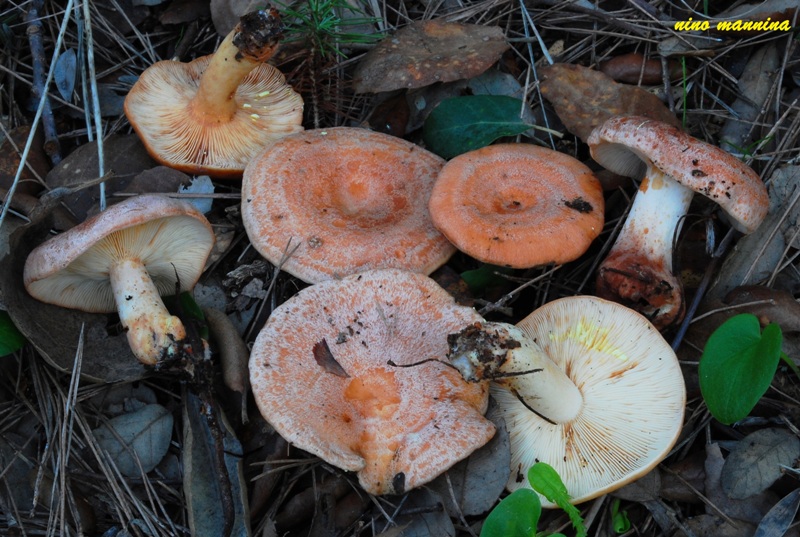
[153,334]
[638,269]
[505,354]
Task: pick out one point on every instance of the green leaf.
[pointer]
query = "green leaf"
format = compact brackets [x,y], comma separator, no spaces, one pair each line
[461,124]
[737,366]
[516,516]
[185,307]
[11,339]
[485,276]
[545,480]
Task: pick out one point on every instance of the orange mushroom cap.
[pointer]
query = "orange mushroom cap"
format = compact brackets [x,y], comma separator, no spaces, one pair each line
[350,199]
[320,375]
[212,115]
[518,205]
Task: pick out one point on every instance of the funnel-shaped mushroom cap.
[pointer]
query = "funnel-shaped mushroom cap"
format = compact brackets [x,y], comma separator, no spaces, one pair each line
[630,145]
[518,205]
[170,237]
[349,199]
[178,135]
[214,114]
[633,398]
[321,376]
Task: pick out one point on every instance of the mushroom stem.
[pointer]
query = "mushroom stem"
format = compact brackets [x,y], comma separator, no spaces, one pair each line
[638,270]
[505,354]
[153,334]
[252,42]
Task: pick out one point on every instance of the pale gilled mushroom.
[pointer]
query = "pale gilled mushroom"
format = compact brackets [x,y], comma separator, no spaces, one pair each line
[348,199]
[673,166]
[212,115]
[122,260]
[325,373]
[518,205]
[584,384]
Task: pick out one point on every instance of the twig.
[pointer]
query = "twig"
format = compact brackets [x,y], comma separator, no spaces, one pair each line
[39,111]
[39,89]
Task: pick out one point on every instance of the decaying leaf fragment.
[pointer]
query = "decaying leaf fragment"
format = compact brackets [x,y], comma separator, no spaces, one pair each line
[757,461]
[430,51]
[584,98]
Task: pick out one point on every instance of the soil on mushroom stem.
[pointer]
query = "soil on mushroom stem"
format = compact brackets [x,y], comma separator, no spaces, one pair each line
[48,418]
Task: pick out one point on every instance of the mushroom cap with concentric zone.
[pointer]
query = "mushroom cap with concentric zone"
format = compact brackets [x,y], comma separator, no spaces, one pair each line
[179,134]
[170,236]
[628,145]
[343,200]
[321,376]
[518,205]
[633,398]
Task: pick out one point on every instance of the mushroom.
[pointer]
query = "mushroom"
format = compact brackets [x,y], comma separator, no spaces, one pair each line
[325,373]
[212,115]
[638,270]
[122,260]
[348,200]
[518,205]
[584,384]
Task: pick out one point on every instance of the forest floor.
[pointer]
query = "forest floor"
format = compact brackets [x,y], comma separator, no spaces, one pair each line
[60,474]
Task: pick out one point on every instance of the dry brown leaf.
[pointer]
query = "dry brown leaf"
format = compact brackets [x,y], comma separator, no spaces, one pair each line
[124,155]
[750,510]
[757,461]
[584,98]
[431,51]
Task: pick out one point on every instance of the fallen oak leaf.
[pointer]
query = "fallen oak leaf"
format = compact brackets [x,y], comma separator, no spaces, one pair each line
[426,52]
[584,98]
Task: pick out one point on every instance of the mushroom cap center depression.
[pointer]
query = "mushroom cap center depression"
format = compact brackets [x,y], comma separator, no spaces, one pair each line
[351,196]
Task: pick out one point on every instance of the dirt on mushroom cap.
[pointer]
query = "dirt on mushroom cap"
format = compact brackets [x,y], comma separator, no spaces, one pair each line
[397,427]
[350,199]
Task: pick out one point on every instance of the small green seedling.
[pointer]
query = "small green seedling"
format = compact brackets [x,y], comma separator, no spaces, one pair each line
[737,366]
[518,514]
[619,519]
[11,340]
[321,24]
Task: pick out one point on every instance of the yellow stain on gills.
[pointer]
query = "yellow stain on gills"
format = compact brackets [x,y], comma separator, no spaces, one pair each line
[592,337]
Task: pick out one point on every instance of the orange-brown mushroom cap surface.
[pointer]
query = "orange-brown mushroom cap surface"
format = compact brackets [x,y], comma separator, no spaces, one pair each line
[518,205]
[628,145]
[212,115]
[321,377]
[348,200]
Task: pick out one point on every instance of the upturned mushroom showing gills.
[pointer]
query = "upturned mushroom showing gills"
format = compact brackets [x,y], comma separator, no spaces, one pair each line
[518,205]
[212,115]
[123,260]
[343,200]
[584,384]
[673,166]
[326,372]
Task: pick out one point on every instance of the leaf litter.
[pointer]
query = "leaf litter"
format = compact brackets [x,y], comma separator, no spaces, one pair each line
[716,85]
